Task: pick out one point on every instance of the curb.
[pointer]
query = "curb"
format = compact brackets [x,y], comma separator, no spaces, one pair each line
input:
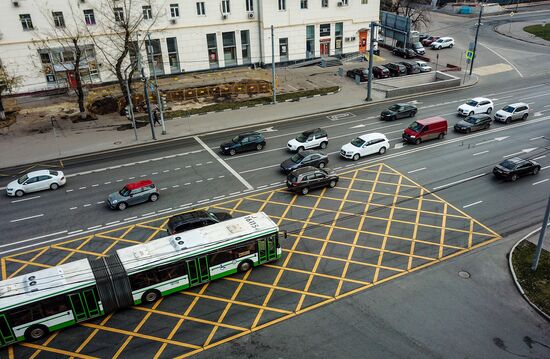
[518,286]
[516,38]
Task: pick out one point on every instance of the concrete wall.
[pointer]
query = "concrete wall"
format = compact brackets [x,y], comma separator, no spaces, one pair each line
[423,82]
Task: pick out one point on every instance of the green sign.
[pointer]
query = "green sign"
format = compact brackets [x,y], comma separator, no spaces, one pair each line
[469,55]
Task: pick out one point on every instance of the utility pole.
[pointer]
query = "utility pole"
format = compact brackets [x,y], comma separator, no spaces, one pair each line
[145,89]
[159,103]
[273,66]
[536,256]
[130,106]
[477,33]
[371,55]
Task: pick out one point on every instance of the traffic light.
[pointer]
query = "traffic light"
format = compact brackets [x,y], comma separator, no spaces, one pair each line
[163,102]
[127,112]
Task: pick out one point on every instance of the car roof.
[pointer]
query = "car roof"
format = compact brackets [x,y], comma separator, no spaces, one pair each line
[138,184]
[517,104]
[305,169]
[480,115]
[314,130]
[372,136]
[200,213]
[249,134]
[430,120]
[445,38]
[515,160]
[478,99]
[38,173]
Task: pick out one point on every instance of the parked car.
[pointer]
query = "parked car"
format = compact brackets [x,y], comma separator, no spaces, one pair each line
[194,219]
[304,158]
[307,178]
[244,142]
[365,145]
[443,42]
[309,139]
[396,69]
[380,72]
[513,168]
[475,106]
[361,72]
[423,66]
[422,36]
[429,40]
[36,181]
[512,112]
[133,193]
[412,68]
[404,53]
[426,129]
[416,47]
[397,111]
[473,123]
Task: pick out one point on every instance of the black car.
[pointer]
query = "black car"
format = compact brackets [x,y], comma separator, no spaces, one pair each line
[399,110]
[396,69]
[195,219]
[244,142]
[473,123]
[380,72]
[411,68]
[404,53]
[423,37]
[513,168]
[306,178]
[361,72]
[304,158]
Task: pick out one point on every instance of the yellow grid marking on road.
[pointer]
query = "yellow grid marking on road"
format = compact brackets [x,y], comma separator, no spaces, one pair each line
[30,262]
[92,335]
[245,304]
[442,237]
[48,341]
[58,351]
[415,228]
[275,286]
[318,274]
[381,182]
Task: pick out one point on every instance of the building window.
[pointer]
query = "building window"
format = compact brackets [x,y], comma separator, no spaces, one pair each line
[212,50]
[245,46]
[324,3]
[154,57]
[89,17]
[58,19]
[345,2]
[310,41]
[283,49]
[119,14]
[174,10]
[364,2]
[147,12]
[229,48]
[26,21]
[303,4]
[338,37]
[249,5]
[45,58]
[200,8]
[324,30]
[282,5]
[225,7]
[173,58]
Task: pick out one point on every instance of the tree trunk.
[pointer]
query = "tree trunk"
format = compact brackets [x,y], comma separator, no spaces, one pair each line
[2,112]
[79,88]
[118,67]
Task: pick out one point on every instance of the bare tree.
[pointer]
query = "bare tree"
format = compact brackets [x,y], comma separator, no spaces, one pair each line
[8,82]
[417,10]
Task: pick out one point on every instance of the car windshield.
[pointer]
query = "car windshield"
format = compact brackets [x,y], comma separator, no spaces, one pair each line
[508,164]
[365,71]
[417,45]
[471,103]
[394,108]
[292,178]
[357,142]
[415,126]
[508,109]
[22,179]
[124,191]
[470,120]
[297,158]
[302,138]
[236,139]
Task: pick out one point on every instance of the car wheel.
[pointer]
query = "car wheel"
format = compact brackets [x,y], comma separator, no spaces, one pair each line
[508,120]
[394,117]
[19,193]
[323,145]
[489,110]
[382,150]
[332,184]
[232,152]
[322,165]
[514,177]
[54,186]
[153,197]
[301,148]
[305,190]
[524,117]
[536,170]
[259,146]
[244,266]
[150,296]
[471,113]
[451,46]
[417,141]
[413,113]
[356,157]
[121,206]
[468,130]
[36,332]
[441,136]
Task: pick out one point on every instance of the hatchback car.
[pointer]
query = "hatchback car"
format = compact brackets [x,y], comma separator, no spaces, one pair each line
[307,178]
[424,67]
[412,68]
[513,168]
[380,72]
[429,40]
[442,43]
[475,106]
[133,193]
[404,53]
[36,181]
[195,219]
[242,143]
[309,139]
[473,123]
[399,110]
[396,69]
[361,72]
[512,112]
[304,158]
[365,145]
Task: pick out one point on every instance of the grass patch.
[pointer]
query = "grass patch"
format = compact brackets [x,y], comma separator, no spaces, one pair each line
[538,30]
[535,284]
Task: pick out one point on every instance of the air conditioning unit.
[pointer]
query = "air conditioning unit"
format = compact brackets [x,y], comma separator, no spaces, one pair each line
[173,21]
[224,16]
[340,3]
[250,15]
[15,3]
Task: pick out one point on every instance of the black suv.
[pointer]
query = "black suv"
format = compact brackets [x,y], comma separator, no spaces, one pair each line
[305,158]
[195,219]
[380,72]
[306,178]
[472,123]
[244,142]
[513,168]
[411,68]
[396,69]
[404,53]
[362,73]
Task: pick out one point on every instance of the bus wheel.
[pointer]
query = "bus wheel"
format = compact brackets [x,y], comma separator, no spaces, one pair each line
[150,296]
[36,332]
[244,266]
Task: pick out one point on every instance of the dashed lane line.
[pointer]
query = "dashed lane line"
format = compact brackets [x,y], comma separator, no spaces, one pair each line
[472,204]
[25,199]
[26,218]
[417,170]
[539,182]
[480,153]
[460,181]
[33,239]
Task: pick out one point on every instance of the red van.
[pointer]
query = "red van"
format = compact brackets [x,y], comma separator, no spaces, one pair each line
[426,129]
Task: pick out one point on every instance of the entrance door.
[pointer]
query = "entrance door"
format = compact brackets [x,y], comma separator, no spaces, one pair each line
[267,249]
[363,40]
[84,305]
[72,79]
[6,334]
[197,270]
[325,49]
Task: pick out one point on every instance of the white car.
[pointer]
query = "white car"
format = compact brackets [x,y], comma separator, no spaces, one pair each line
[475,106]
[309,139]
[512,112]
[36,181]
[424,67]
[442,43]
[365,145]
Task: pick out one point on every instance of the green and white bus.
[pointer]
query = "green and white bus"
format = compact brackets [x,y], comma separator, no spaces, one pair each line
[35,304]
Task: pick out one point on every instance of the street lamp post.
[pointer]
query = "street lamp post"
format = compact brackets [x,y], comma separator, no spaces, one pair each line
[159,103]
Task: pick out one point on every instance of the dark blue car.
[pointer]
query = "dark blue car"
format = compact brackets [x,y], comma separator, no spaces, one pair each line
[245,142]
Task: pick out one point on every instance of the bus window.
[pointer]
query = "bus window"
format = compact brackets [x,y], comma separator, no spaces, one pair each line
[219,258]
[171,271]
[25,314]
[245,250]
[54,305]
[143,279]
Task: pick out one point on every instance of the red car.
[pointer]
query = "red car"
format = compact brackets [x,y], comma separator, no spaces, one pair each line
[429,40]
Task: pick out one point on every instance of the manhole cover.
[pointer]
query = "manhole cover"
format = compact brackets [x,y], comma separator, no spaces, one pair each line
[117,142]
[464,274]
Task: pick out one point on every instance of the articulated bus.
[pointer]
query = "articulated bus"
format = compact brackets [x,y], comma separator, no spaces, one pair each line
[35,304]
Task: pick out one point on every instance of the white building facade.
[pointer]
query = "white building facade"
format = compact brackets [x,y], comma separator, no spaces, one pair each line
[186,35]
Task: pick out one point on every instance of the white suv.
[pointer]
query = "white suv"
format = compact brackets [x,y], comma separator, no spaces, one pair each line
[475,106]
[309,139]
[365,145]
[442,43]
[512,112]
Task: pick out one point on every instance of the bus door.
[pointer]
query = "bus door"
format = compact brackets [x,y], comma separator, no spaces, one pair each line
[6,334]
[267,248]
[197,270]
[84,305]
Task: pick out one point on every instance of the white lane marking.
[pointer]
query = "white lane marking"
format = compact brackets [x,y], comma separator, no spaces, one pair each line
[259,168]
[536,138]
[163,189]
[154,173]
[131,178]
[210,179]
[544,180]
[186,204]
[108,182]
[175,186]
[539,157]
[218,197]
[141,176]
[480,153]
[69,190]
[177,168]
[222,176]
[164,210]
[165,171]
[87,205]
[417,170]
[82,187]
[148,214]
[460,181]
[203,200]
[187,183]
[545,167]
[95,185]
[111,223]
[100,202]
[399,145]
[209,162]
[73,208]
[472,204]
[25,218]
[234,193]
[502,57]
[493,140]
[526,150]
[198,181]
[24,199]
[187,166]
[75,232]
[94,227]
[32,239]
[223,163]
[198,164]
[119,180]
[129,218]
[545,106]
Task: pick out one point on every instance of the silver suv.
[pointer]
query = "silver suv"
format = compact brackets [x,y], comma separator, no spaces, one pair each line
[512,112]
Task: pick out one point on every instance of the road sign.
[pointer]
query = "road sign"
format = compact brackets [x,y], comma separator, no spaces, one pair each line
[469,55]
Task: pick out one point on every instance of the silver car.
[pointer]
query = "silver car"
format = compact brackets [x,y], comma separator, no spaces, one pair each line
[515,111]
[133,193]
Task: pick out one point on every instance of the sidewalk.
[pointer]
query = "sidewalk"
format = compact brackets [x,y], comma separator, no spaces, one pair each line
[515,31]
